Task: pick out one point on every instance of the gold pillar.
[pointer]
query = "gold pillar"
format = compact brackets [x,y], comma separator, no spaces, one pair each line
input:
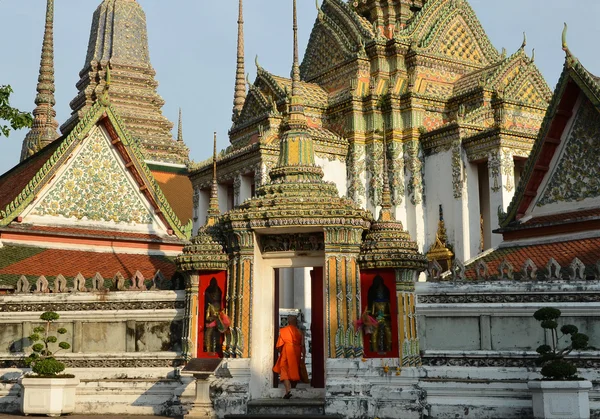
[408,340]
[190,335]
[239,293]
[342,288]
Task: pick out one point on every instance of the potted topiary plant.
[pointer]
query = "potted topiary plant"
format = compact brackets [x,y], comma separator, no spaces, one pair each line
[45,390]
[560,393]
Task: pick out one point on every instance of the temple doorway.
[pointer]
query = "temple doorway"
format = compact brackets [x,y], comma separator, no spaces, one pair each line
[299,292]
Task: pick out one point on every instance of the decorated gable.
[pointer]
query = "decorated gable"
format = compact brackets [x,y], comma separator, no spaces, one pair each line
[94,187]
[574,179]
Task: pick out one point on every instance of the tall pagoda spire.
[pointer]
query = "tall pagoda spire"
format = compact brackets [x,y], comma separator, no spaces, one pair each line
[119,41]
[44,128]
[239,96]
[180,128]
[386,214]
[296,155]
[213,203]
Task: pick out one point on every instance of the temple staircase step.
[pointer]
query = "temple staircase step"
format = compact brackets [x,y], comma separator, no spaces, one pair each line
[281,408]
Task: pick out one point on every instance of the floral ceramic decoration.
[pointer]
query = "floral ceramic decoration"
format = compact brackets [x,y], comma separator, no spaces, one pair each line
[95,187]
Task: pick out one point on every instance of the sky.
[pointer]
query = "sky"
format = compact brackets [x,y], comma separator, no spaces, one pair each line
[193,50]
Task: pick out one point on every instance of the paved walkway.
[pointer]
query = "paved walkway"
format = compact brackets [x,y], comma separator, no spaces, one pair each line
[5,416]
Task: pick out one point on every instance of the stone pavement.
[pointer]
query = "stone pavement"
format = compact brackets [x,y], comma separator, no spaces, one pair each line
[6,416]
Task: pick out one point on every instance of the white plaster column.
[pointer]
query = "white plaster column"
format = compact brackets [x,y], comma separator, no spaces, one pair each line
[501,169]
[286,287]
[302,295]
[466,213]
[222,191]
[202,209]
[334,171]
[245,190]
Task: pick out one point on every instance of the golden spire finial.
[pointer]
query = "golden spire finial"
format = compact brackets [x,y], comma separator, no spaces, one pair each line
[296,66]
[180,128]
[213,203]
[45,126]
[385,214]
[239,96]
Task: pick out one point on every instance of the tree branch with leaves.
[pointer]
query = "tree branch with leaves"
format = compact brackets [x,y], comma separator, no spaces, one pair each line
[15,118]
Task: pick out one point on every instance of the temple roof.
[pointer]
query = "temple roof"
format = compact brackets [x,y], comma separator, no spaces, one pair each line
[587,250]
[575,82]
[33,262]
[119,43]
[20,186]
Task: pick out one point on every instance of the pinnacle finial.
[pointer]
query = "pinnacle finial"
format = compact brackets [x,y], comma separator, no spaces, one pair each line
[524,44]
[44,128]
[180,128]
[296,66]
[213,203]
[239,96]
[386,197]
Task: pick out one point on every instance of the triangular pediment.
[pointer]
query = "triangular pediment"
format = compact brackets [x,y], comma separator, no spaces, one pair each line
[529,86]
[327,48]
[573,180]
[562,173]
[96,175]
[255,106]
[451,30]
[95,187]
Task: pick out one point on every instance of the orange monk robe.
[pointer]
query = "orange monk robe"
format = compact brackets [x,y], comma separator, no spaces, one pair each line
[289,345]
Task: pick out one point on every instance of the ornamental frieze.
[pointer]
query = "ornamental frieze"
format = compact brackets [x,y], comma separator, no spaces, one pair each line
[133,362]
[291,242]
[498,361]
[92,306]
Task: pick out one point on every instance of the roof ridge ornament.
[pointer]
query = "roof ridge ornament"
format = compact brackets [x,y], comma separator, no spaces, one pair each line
[524,44]
[565,47]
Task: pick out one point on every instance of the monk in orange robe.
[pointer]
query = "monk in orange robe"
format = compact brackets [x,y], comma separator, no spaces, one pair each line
[291,352]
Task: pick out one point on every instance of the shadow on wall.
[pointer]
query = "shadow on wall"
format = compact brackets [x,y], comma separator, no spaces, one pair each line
[10,391]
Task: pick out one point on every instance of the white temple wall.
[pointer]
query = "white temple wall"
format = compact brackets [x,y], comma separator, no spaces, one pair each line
[334,171]
[125,346]
[489,317]
[438,191]
[223,202]
[202,209]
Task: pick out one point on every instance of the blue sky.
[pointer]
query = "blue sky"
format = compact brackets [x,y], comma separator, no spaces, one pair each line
[193,44]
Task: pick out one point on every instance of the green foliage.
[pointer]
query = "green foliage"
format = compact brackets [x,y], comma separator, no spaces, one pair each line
[48,367]
[551,359]
[559,370]
[15,118]
[547,313]
[42,361]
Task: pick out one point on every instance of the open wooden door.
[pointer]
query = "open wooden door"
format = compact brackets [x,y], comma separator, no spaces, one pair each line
[317,328]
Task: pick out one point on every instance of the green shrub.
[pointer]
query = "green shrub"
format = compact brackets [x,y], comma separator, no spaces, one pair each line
[551,358]
[42,361]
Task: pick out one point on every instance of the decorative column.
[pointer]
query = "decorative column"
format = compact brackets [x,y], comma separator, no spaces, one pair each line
[238,300]
[342,288]
[501,169]
[408,339]
[190,333]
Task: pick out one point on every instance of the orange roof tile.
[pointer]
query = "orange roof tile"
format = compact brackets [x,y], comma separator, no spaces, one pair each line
[178,191]
[15,180]
[587,250]
[52,262]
